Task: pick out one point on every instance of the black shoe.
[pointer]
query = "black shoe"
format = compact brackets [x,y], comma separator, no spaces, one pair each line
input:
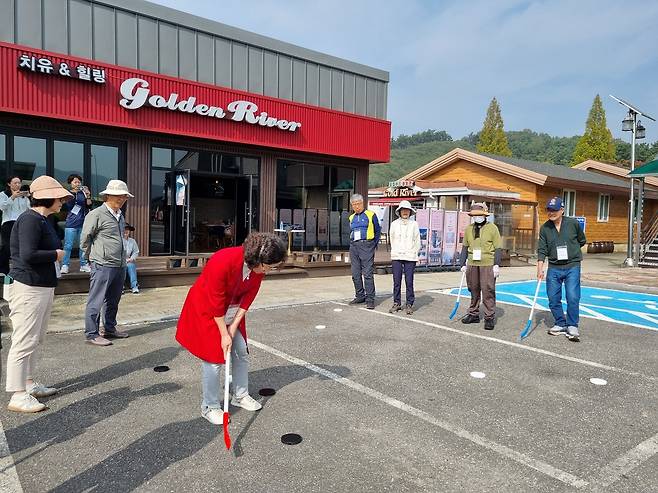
[395,308]
[357,301]
[370,305]
[489,324]
[409,309]
[471,319]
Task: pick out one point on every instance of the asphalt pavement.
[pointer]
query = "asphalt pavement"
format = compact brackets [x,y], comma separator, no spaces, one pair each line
[382,403]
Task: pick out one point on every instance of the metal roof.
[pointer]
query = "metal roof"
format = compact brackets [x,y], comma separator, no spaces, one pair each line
[647,169]
[561,172]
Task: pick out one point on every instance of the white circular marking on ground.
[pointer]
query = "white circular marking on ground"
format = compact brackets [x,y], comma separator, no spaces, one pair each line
[601,297]
[338,309]
[478,374]
[320,327]
[598,381]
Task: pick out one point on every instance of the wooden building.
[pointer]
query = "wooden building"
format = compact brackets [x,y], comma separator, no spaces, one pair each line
[598,193]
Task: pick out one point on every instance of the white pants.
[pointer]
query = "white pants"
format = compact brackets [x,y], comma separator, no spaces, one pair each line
[213,385]
[29,314]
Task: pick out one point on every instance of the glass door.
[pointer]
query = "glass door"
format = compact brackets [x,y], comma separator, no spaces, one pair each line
[244,208]
[179,184]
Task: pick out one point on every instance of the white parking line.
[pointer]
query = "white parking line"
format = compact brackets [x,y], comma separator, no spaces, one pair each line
[627,462]
[524,347]
[9,482]
[502,450]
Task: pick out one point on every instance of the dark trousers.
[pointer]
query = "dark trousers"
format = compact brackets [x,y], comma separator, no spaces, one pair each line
[105,289]
[482,285]
[362,257]
[407,267]
[5,253]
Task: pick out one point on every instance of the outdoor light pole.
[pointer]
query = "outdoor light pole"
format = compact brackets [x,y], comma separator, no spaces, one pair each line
[631,203]
[633,125]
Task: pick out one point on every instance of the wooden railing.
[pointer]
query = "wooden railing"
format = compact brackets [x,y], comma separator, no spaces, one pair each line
[649,232]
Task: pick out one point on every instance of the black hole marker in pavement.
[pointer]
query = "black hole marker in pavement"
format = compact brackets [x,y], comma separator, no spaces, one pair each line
[291,439]
[267,392]
[161,368]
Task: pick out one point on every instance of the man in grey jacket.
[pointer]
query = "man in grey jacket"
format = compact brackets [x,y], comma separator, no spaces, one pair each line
[102,240]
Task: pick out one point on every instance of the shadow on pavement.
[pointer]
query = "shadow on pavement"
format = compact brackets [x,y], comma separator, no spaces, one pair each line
[144,458]
[77,418]
[278,377]
[117,370]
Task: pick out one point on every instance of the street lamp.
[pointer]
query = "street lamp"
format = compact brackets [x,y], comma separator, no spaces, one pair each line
[633,125]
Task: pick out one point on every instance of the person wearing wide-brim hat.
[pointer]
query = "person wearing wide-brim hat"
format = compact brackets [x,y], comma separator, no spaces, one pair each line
[405,245]
[482,248]
[35,252]
[102,241]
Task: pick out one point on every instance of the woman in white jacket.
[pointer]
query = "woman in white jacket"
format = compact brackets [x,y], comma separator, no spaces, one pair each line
[405,245]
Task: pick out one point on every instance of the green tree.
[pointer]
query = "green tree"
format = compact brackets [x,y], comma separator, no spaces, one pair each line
[597,142]
[492,136]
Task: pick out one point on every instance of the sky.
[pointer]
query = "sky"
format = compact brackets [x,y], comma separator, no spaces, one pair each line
[543,60]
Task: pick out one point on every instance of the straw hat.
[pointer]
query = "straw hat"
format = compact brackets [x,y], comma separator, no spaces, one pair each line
[116,187]
[404,204]
[479,209]
[46,187]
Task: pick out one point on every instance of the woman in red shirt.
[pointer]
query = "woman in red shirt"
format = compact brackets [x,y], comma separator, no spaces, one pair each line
[214,313]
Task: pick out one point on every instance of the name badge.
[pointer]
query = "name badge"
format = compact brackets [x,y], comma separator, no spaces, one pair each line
[562,253]
[76,209]
[357,235]
[477,254]
[231,313]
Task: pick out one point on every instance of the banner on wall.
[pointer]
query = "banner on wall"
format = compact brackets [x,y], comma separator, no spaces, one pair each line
[435,240]
[334,228]
[423,220]
[345,229]
[449,238]
[464,221]
[298,223]
[323,232]
[311,226]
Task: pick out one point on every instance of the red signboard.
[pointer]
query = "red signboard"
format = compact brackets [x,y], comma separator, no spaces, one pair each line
[39,83]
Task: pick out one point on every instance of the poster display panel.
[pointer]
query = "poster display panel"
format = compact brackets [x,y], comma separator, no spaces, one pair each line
[423,220]
[435,240]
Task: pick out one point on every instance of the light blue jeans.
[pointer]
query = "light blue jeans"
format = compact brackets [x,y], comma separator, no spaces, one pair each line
[213,385]
[71,238]
[131,272]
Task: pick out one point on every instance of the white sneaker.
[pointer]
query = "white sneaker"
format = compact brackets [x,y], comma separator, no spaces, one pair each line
[215,416]
[25,403]
[40,390]
[135,290]
[247,402]
[64,269]
[83,268]
[572,333]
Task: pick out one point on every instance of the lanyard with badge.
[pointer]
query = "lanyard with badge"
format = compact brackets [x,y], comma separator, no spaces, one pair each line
[477,252]
[562,253]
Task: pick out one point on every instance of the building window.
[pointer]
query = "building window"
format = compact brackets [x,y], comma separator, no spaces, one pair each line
[29,158]
[3,156]
[69,159]
[569,199]
[316,198]
[604,207]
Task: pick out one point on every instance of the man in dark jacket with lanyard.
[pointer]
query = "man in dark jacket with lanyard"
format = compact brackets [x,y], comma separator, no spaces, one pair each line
[560,239]
[364,238]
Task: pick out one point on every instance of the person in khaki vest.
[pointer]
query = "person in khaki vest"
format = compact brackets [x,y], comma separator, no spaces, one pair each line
[482,248]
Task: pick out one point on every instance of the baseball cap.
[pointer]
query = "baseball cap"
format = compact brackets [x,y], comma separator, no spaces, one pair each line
[554,204]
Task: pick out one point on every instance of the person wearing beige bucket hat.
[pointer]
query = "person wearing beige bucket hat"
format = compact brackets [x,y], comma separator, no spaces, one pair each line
[35,251]
[405,245]
[482,249]
[102,241]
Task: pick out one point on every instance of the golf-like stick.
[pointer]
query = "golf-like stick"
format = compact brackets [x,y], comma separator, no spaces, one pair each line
[459,294]
[526,330]
[227,416]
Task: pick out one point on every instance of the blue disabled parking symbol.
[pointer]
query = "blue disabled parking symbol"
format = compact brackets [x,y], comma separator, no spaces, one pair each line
[610,305]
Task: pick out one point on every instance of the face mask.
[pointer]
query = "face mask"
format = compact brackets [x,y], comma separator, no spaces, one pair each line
[479,219]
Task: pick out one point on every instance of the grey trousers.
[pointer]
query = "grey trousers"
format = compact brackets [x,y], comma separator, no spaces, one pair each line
[482,285]
[362,258]
[105,289]
[213,386]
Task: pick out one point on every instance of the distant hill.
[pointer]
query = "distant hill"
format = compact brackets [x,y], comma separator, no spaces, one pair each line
[407,156]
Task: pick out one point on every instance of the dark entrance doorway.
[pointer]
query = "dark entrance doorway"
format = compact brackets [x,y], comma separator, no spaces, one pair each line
[210,211]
